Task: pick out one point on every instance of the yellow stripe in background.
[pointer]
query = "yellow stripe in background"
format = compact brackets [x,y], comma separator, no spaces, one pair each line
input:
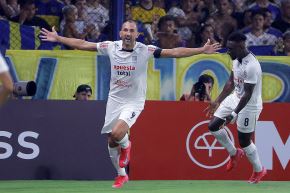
[15,36]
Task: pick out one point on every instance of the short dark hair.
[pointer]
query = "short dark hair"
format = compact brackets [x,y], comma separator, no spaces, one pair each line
[165,18]
[23,3]
[237,37]
[205,78]
[261,12]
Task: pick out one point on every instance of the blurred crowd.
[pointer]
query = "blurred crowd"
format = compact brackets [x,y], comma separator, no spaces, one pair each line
[189,23]
[164,23]
[83,19]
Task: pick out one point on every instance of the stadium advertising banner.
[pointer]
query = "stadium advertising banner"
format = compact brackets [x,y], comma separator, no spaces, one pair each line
[58,73]
[51,139]
[48,139]
[172,142]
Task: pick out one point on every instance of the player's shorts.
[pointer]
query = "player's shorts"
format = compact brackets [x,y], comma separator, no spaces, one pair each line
[126,112]
[3,65]
[246,120]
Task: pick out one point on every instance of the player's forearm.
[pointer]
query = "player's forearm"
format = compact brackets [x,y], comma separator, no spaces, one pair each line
[182,52]
[72,42]
[186,52]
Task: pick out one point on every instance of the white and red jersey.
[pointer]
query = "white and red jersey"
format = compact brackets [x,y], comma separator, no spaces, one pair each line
[249,71]
[128,82]
[3,65]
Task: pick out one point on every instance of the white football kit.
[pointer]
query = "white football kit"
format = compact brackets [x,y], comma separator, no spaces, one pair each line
[128,82]
[249,71]
[3,65]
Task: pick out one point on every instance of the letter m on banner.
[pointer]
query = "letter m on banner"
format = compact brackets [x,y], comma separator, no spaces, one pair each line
[267,139]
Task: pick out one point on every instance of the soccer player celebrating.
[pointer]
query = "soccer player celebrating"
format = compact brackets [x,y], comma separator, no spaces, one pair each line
[244,105]
[128,84]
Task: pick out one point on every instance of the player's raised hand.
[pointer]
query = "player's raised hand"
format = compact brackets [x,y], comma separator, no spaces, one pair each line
[210,109]
[48,36]
[211,48]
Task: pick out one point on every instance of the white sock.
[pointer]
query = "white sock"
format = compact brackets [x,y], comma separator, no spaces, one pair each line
[222,136]
[124,143]
[253,157]
[114,155]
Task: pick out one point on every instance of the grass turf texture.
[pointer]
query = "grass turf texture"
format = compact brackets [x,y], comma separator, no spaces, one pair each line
[182,186]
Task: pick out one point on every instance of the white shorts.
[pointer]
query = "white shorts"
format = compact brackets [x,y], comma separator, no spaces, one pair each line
[246,121]
[115,111]
[3,65]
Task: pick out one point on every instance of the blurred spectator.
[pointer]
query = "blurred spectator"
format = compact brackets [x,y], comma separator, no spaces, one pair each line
[27,15]
[224,22]
[95,35]
[81,7]
[148,14]
[201,90]
[167,33]
[66,2]
[257,35]
[206,32]
[247,18]
[266,4]
[83,92]
[267,24]
[284,49]
[159,3]
[97,14]
[283,23]
[240,8]
[144,36]
[9,8]
[186,17]
[70,30]
[210,6]
[50,11]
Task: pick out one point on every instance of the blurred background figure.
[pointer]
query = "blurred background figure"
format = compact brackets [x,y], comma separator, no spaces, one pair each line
[283,46]
[225,23]
[167,36]
[201,90]
[149,14]
[73,28]
[50,11]
[283,22]
[27,15]
[9,8]
[83,92]
[257,35]
[206,32]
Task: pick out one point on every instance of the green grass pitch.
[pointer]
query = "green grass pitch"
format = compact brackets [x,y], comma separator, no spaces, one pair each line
[176,186]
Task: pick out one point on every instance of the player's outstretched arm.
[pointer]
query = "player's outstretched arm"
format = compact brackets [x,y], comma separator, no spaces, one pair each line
[79,44]
[208,48]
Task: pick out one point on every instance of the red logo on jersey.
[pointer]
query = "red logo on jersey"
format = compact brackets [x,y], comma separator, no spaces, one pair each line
[104,45]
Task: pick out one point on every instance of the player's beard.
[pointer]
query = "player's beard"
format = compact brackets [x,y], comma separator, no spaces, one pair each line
[129,42]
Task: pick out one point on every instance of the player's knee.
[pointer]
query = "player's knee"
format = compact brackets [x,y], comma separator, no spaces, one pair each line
[115,135]
[212,126]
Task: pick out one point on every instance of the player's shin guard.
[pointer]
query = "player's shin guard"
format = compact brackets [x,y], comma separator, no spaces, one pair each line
[223,138]
[114,155]
[253,157]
